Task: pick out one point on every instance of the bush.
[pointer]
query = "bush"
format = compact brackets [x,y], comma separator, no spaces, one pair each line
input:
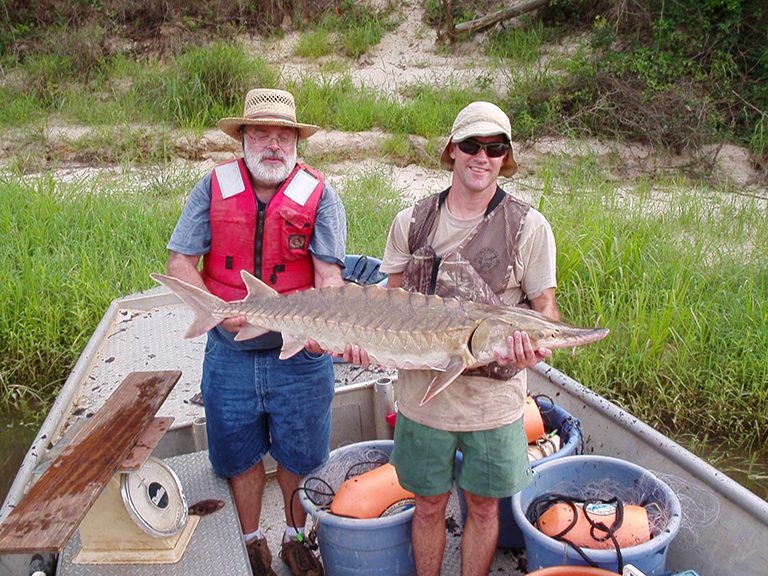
[674,73]
[204,84]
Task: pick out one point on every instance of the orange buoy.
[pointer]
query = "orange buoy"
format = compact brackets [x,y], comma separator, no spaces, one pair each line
[634,529]
[534,424]
[370,495]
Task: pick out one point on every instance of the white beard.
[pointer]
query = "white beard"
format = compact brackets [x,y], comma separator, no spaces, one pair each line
[266,174]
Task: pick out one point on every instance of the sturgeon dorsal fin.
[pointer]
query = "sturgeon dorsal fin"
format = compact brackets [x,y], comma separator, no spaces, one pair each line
[256,287]
[443,380]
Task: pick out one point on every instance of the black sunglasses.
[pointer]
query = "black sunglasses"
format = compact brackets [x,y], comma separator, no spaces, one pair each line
[492,149]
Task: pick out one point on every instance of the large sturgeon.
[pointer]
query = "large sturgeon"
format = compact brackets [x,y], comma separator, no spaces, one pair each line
[398,329]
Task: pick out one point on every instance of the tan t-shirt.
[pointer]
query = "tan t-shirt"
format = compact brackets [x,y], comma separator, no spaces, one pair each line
[472,403]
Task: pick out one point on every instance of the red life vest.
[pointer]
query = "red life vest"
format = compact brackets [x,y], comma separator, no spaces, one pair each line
[274,244]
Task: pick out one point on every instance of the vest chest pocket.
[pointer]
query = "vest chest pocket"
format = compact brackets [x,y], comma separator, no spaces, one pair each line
[420,274]
[296,230]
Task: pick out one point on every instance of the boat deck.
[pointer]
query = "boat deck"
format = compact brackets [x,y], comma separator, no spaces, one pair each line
[217,548]
[144,332]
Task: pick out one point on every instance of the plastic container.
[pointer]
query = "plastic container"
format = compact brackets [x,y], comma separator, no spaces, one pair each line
[571,571]
[555,418]
[370,547]
[569,475]
[391,419]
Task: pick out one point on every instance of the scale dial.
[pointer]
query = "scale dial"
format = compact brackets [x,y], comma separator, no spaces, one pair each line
[154,498]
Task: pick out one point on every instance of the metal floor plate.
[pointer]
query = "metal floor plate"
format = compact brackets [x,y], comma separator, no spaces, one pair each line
[216,546]
[145,340]
[506,562]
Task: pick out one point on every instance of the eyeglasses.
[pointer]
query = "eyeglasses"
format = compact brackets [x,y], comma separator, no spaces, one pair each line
[284,138]
[492,149]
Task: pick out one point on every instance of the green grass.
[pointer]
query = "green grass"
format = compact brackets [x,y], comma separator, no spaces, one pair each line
[678,273]
[336,103]
[371,202]
[191,90]
[403,150]
[208,83]
[197,87]
[315,44]
[362,36]
[20,108]
[67,252]
[135,107]
[350,33]
[516,45]
[680,277]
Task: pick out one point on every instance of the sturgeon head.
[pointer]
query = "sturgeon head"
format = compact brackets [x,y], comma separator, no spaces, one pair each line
[491,333]
[496,325]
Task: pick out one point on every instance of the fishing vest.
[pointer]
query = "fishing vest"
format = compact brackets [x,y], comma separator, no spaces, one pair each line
[479,269]
[271,241]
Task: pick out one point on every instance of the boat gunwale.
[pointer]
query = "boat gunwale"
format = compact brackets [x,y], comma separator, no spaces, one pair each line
[697,467]
[57,414]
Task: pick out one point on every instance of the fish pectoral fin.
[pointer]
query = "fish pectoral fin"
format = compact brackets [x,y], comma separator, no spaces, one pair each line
[250,331]
[443,380]
[291,347]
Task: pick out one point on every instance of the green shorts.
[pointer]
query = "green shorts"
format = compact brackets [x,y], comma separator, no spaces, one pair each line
[494,462]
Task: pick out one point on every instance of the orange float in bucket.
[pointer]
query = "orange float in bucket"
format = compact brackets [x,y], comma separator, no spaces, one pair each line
[558,522]
[534,423]
[371,495]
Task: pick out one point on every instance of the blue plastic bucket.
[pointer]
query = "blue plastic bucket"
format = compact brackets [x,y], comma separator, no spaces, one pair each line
[569,476]
[555,418]
[354,547]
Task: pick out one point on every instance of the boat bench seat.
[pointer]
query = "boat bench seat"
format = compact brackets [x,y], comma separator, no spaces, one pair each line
[119,437]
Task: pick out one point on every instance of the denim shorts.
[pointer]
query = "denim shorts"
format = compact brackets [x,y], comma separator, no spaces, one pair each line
[494,462]
[256,404]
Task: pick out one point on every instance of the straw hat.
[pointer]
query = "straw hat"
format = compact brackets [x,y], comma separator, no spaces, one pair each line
[480,119]
[267,107]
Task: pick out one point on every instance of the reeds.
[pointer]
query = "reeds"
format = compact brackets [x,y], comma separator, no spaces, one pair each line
[68,250]
[679,275]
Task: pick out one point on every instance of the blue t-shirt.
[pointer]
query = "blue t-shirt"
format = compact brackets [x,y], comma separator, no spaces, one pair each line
[192,237]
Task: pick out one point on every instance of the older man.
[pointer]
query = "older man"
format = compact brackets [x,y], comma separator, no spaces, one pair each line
[283,222]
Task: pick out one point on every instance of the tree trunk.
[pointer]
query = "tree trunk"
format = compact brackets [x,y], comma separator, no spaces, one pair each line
[490,19]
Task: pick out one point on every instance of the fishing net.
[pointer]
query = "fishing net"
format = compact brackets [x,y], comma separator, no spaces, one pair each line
[645,491]
[598,504]
[560,424]
[700,507]
[343,464]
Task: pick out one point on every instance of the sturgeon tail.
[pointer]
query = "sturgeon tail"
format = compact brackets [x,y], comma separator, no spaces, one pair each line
[202,303]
